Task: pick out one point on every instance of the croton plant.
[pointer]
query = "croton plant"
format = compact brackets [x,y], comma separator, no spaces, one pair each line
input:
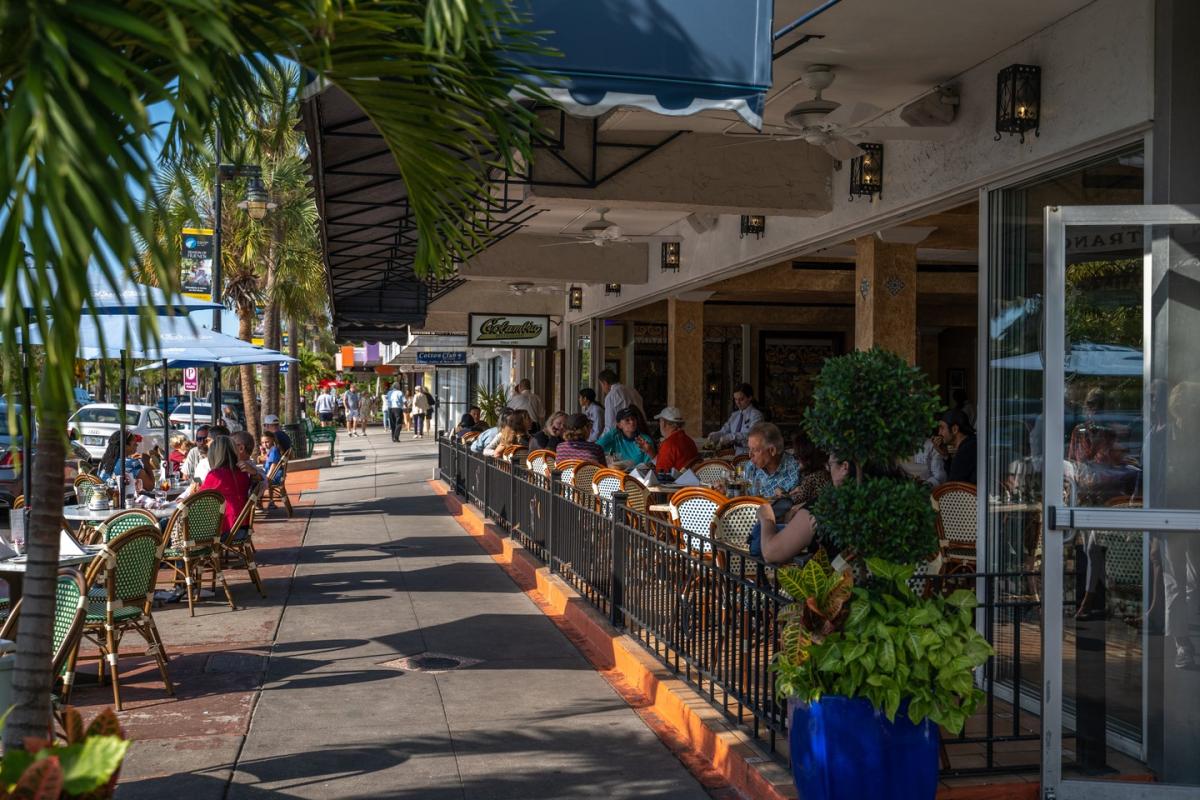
[85,765]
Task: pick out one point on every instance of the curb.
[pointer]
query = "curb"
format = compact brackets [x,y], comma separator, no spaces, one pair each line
[656,692]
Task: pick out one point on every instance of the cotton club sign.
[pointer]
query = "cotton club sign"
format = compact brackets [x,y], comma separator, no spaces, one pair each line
[509,330]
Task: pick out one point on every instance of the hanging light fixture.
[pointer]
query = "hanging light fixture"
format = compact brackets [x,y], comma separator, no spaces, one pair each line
[613,289]
[866,171]
[670,256]
[753,225]
[1019,100]
[575,298]
[256,204]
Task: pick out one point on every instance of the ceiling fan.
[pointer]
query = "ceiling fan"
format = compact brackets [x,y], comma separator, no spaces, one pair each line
[524,287]
[601,232]
[836,127]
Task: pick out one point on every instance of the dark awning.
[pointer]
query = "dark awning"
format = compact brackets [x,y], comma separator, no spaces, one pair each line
[673,57]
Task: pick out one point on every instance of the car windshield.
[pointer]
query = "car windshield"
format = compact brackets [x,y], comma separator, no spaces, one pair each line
[185,410]
[108,416]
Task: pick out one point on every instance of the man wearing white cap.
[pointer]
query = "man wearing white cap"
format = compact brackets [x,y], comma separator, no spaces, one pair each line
[282,440]
[677,449]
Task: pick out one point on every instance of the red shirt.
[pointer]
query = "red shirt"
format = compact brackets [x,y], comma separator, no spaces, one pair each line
[676,452]
[234,486]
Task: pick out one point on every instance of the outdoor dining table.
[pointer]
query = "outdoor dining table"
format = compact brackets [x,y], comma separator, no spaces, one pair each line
[12,572]
[81,513]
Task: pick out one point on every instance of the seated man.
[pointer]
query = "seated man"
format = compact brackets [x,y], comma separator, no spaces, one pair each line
[677,449]
[772,472]
[736,430]
[271,423]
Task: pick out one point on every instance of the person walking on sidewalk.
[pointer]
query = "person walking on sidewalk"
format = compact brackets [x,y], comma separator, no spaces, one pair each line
[352,402]
[324,406]
[395,410]
[420,407]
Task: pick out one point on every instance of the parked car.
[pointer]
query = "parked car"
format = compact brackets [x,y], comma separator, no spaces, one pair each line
[93,424]
[10,474]
[181,417]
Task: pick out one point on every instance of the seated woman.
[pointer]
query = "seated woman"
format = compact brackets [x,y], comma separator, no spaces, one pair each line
[515,433]
[489,449]
[550,434]
[225,477]
[629,441]
[117,460]
[179,450]
[782,544]
[814,476]
[270,456]
[575,444]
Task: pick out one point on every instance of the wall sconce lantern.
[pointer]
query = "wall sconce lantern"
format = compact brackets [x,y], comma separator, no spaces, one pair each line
[753,224]
[670,256]
[612,288]
[575,298]
[1019,100]
[866,171]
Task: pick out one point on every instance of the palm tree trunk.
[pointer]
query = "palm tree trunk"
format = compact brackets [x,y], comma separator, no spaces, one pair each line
[293,373]
[32,681]
[246,371]
[271,335]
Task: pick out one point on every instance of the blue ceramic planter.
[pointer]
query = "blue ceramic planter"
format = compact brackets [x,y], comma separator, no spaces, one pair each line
[843,749]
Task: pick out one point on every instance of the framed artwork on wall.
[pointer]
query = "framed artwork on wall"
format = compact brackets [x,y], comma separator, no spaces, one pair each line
[788,363]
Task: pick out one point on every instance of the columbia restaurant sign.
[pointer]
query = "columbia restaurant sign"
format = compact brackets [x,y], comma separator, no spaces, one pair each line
[508,330]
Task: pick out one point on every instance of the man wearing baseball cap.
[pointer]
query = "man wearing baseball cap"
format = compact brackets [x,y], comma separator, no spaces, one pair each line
[677,449]
[282,440]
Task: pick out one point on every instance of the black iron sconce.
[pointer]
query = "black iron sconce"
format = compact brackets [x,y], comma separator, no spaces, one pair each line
[1019,100]
[612,288]
[670,256]
[575,298]
[866,171]
[753,225]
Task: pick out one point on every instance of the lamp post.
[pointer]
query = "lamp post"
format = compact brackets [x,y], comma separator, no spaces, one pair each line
[257,205]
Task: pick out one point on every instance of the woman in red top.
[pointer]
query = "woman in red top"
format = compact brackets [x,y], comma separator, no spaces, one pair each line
[225,476]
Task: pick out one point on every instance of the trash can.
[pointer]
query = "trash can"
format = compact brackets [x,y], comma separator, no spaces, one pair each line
[295,432]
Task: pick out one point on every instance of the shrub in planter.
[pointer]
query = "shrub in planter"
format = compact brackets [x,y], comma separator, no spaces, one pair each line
[872,670]
[85,766]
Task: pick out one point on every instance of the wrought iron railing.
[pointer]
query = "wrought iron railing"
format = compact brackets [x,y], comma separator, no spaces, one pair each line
[710,612]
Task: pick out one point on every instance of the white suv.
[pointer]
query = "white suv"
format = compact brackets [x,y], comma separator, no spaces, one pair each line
[93,424]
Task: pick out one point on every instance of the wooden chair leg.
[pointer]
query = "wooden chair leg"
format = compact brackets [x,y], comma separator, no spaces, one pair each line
[187,572]
[111,656]
[287,501]
[150,634]
[219,574]
[68,677]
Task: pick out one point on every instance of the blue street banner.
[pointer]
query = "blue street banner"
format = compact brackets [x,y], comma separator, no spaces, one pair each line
[283,368]
[449,358]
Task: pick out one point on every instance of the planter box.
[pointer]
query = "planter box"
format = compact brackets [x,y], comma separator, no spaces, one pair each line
[843,749]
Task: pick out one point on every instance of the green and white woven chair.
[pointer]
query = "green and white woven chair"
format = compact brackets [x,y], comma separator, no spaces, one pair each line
[237,546]
[70,606]
[127,569]
[86,486]
[194,542]
[123,521]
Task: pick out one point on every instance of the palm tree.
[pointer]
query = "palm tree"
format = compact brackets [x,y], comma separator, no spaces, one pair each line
[79,148]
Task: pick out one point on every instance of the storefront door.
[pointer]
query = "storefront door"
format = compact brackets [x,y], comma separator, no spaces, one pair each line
[1121,506]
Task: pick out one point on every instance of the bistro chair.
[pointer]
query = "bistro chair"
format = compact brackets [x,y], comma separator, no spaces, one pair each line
[126,570]
[123,521]
[566,471]
[637,500]
[237,546]
[956,524]
[194,545]
[605,482]
[540,461]
[712,470]
[581,481]
[277,484]
[467,438]
[86,486]
[734,520]
[517,454]
[693,509]
[70,607]
[737,461]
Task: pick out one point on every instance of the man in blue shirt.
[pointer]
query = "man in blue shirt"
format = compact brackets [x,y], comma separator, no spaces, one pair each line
[271,423]
[394,401]
[489,436]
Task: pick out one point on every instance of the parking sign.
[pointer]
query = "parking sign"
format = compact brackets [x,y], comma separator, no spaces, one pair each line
[191,379]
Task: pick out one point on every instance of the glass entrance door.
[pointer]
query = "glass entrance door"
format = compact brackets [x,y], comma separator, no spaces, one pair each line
[1121,531]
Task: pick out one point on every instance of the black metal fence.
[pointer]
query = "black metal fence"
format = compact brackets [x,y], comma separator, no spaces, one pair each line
[710,612]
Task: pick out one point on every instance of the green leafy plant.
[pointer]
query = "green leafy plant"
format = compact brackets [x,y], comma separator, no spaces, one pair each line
[491,403]
[85,766]
[886,644]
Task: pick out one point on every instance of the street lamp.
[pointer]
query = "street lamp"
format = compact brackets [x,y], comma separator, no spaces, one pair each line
[256,204]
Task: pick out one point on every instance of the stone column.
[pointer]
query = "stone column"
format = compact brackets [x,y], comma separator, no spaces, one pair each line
[685,361]
[885,296]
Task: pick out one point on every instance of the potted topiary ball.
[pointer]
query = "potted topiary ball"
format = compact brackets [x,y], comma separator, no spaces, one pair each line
[871,670]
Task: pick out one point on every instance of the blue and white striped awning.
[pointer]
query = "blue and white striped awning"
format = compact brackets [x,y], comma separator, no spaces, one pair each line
[674,57]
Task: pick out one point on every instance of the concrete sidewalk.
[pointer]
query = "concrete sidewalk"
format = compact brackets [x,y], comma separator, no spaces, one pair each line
[382,573]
